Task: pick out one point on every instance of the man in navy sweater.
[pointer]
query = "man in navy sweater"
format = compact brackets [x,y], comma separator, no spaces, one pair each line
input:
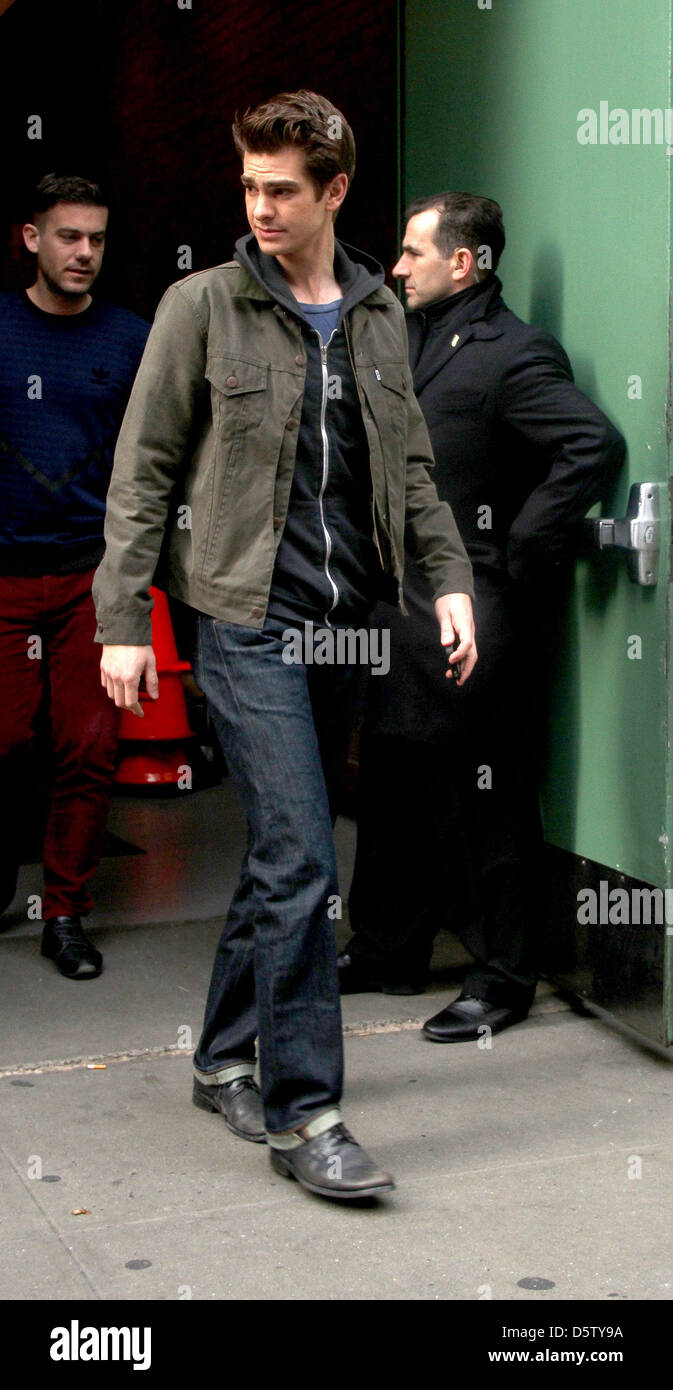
[67,365]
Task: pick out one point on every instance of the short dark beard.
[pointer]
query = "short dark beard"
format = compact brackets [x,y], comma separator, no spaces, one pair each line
[58,290]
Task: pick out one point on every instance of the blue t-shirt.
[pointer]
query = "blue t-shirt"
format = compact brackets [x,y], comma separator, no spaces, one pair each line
[65,380]
[323,317]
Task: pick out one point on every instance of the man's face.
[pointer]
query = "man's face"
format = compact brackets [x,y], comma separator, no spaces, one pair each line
[69,240]
[427,275]
[281,204]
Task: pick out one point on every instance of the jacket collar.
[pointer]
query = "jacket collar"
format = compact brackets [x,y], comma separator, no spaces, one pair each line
[439,332]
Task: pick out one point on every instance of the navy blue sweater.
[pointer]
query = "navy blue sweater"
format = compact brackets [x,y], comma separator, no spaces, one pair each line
[64,384]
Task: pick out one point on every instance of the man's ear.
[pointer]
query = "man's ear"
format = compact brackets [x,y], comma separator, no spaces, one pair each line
[336,191]
[464,266]
[31,236]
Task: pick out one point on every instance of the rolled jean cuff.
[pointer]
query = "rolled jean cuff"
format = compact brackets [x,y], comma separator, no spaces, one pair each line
[318,1124]
[225,1074]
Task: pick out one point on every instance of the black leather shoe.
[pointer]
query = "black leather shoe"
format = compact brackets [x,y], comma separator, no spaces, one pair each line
[333,1165]
[64,942]
[461,1020]
[239,1102]
[355,978]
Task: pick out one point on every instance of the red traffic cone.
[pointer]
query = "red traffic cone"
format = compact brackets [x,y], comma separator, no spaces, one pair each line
[165,720]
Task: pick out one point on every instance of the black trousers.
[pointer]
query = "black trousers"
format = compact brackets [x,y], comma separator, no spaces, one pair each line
[449,834]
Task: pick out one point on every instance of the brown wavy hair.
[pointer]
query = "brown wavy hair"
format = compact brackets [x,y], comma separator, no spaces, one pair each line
[307,121]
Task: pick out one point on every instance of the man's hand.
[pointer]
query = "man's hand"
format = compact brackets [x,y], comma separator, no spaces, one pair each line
[121,669]
[454,615]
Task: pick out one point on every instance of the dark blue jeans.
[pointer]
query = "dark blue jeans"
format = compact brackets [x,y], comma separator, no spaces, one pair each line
[284,731]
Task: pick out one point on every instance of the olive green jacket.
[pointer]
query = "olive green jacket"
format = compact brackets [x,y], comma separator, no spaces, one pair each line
[205,457]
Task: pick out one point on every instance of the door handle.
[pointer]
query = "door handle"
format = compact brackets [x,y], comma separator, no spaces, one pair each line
[636,535]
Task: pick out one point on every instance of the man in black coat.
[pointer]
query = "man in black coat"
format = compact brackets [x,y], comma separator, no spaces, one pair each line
[449,826]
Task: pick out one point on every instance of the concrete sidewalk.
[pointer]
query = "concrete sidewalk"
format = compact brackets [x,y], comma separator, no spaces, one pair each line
[548,1157]
[513,1163]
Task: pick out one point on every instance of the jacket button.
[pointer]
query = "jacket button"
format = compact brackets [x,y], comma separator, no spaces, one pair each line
[256,612]
[291,425]
[299,360]
[277,521]
[232,381]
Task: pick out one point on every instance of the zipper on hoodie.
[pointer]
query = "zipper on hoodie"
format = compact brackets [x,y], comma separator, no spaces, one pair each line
[325,470]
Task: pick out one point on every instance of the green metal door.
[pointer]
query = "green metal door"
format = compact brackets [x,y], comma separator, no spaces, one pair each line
[561,110]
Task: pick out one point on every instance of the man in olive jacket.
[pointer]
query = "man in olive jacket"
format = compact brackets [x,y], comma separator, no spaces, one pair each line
[270,459]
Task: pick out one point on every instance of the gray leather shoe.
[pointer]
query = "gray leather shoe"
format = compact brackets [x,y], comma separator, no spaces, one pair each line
[333,1165]
[240,1104]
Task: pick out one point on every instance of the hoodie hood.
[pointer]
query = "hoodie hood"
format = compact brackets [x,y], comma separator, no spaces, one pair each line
[357,274]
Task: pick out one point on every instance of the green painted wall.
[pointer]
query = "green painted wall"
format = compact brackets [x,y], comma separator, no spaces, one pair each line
[492,98]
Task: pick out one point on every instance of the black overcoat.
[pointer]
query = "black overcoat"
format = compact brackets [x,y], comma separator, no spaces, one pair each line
[520,454]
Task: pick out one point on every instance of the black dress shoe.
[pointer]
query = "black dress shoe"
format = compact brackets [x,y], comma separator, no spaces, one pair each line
[462,1020]
[356,978]
[64,942]
[333,1165]
[239,1102]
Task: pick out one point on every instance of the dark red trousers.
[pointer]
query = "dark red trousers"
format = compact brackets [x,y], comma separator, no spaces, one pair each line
[50,677]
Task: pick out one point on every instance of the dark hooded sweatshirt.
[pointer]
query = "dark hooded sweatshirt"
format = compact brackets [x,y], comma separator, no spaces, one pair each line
[327,567]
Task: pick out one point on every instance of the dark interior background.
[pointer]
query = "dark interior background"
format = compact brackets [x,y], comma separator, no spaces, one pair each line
[140,95]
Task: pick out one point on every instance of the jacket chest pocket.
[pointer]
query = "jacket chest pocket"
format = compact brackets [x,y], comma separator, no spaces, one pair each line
[386,391]
[238,391]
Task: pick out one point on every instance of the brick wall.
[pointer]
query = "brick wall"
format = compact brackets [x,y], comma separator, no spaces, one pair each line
[143,93]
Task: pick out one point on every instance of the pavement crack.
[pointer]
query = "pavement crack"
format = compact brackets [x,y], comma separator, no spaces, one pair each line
[93,1059]
[360,1029]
